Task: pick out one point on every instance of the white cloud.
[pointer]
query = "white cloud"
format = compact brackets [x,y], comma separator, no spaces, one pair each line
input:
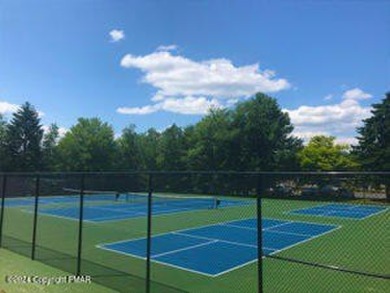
[167,48]
[356,94]
[8,108]
[181,82]
[328,97]
[187,105]
[137,110]
[347,140]
[340,119]
[61,130]
[117,35]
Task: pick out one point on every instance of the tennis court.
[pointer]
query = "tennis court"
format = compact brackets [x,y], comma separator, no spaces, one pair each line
[341,211]
[214,250]
[196,246]
[105,207]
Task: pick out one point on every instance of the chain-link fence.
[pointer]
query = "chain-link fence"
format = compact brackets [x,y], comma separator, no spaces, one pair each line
[204,231]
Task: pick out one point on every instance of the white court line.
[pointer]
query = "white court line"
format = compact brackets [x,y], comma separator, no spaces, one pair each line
[103,220]
[328,213]
[288,233]
[211,239]
[278,225]
[185,248]
[277,251]
[60,217]
[155,261]
[374,214]
[306,240]
[222,223]
[179,232]
[255,229]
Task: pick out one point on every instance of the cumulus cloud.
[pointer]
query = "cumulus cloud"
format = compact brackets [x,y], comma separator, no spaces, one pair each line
[8,108]
[356,94]
[116,35]
[61,130]
[187,105]
[340,119]
[328,97]
[167,48]
[182,83]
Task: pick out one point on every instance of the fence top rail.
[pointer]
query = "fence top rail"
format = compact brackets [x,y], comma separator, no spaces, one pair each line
[152,172]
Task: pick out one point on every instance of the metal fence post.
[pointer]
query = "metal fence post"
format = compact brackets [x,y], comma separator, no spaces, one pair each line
[260,190]
[149,233]
[2,207]
[34,235]
[81,216]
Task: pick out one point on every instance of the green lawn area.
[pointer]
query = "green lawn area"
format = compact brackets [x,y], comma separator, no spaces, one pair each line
[12,264]
[358,245]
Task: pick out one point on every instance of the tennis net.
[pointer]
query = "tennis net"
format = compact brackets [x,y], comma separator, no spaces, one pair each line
[96,195]
[159,200]
[181,201]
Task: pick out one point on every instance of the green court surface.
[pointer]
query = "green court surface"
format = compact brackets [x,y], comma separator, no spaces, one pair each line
[358,245]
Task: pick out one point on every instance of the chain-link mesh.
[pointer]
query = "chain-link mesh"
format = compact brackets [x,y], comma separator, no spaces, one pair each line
[199,231]
[340,223]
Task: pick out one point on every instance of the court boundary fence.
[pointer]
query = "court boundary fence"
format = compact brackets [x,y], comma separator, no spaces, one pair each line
[262,179]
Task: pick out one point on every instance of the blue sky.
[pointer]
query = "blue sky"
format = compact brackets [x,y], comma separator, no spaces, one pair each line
[168,61]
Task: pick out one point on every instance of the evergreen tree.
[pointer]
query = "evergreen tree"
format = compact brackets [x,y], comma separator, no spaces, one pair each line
[373,149]
[24,137]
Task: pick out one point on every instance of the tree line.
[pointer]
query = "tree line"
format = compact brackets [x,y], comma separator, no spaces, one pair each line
[255,135]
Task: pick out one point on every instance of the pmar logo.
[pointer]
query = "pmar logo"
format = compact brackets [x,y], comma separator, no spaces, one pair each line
[78,279]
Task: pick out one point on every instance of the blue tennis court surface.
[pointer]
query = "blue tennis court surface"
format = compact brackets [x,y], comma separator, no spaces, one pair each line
[220,248]
[30,201]
[341,211]
[114,211]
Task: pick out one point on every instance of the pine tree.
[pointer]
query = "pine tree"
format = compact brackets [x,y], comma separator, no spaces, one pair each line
[24,136]
[373,149]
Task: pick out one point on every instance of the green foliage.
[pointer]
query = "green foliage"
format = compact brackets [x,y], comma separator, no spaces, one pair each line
[49,147]
[129,153]
[373,149]
[3,139]
[88,146]
[323,154]
[24,135]
[264,136]
[210,142]
[171,149]
[148,143]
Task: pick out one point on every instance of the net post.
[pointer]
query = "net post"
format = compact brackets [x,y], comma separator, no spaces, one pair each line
[2,207]
[260,190]
[36,200]
[80,240]
[149,233]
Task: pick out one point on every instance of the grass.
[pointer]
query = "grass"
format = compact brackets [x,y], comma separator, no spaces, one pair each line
[12,264]
[357,245]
